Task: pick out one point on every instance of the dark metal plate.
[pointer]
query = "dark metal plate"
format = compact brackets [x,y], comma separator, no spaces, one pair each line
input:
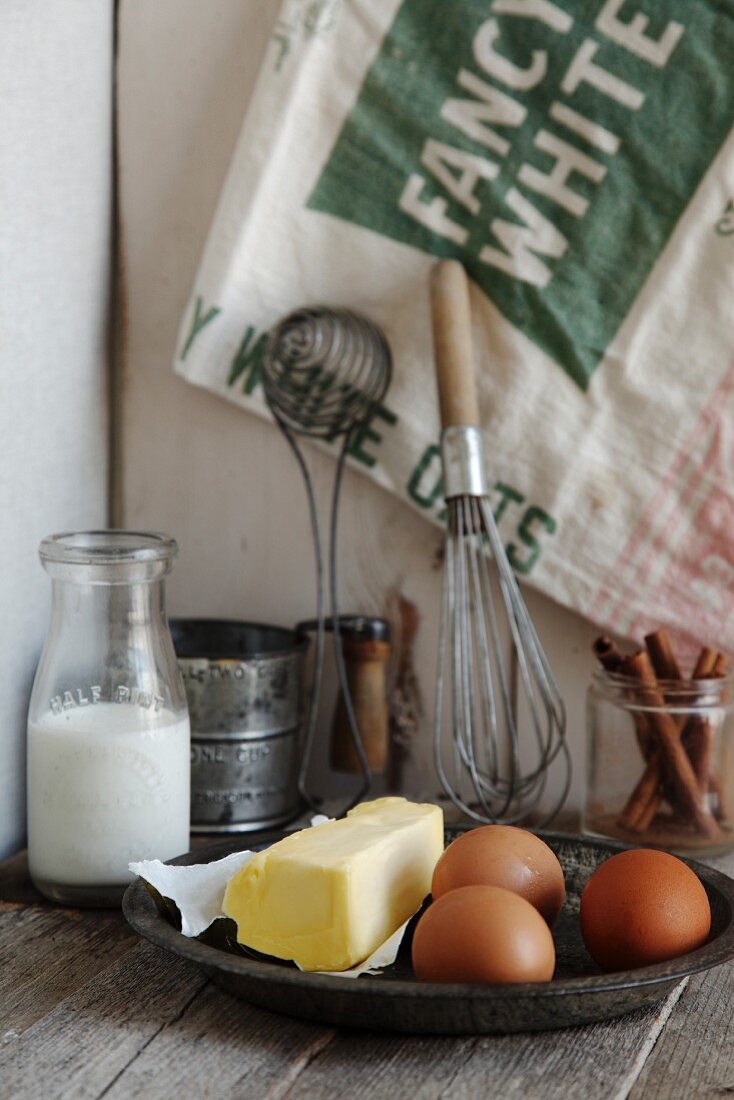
[395,1001]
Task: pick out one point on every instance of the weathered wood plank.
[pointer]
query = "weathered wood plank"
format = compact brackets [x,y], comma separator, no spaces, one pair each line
[150,1026]
[78,1050]
[598,1062]
[221,1047]
[694,1056]
[47,952]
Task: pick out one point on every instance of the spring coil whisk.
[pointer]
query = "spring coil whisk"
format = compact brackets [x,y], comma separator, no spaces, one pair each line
[324,372]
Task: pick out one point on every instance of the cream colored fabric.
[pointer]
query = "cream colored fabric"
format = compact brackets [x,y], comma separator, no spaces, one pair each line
[385,133]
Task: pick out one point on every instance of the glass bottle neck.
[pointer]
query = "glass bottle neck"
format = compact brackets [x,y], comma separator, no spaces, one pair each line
[108,640]
[124,605]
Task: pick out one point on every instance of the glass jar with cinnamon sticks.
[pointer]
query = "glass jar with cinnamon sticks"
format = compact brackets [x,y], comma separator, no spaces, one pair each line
[660,759]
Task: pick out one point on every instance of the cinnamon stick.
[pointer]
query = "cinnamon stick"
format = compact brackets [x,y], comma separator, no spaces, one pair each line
[662,657]
[611,659]
[644,802]
[705,668]
[647,796]
[609,655]
[666,667]
[637,815]
[665,733]
[698,736]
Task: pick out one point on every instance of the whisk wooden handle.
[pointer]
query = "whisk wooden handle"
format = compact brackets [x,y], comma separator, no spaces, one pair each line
[452,342]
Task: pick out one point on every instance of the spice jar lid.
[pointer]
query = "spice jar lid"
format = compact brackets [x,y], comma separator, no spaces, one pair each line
[354,628]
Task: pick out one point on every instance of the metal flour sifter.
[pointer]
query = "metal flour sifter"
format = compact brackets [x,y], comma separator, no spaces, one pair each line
[490,772]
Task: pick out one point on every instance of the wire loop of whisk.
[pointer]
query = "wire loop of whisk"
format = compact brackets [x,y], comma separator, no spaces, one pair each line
[477,752]
[324,372]
[502,724]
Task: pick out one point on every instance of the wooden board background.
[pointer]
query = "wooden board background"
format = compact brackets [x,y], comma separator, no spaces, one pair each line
[220,480]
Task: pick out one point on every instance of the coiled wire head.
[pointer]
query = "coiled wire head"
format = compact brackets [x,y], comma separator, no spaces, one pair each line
[324,370]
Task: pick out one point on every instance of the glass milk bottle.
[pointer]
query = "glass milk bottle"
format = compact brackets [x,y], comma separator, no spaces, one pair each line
[108,727]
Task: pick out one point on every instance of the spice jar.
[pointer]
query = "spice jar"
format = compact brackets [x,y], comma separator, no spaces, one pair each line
[660,762]
[108,727]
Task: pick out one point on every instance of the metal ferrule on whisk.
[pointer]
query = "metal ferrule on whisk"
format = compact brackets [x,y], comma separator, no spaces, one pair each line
[462,454]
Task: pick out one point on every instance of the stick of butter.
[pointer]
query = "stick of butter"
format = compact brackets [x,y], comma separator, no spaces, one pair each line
[326,897]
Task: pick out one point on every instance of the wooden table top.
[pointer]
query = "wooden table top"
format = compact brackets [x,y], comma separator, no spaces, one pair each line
[89,1010]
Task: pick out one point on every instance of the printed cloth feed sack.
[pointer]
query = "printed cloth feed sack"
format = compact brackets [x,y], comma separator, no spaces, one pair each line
[578,157]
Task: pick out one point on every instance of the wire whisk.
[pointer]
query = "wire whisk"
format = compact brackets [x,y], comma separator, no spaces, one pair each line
[506,721]
[324,372]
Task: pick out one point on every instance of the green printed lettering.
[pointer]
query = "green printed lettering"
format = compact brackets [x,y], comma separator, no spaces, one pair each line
[507,494]
[500,67]
[567,160]
[431,214]
[524,244]
[541,10]
[366,432]
[631,35]
[534,516]
[584,70]
[248,358]
[457,171]
[472,117]
[527,141]
[200,321]
[426,497]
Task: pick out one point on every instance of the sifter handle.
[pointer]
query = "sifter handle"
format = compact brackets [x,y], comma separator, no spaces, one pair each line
[452,342]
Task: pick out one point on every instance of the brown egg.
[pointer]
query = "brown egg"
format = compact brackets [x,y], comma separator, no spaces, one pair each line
[502,855]
[482,934]
[642,907]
